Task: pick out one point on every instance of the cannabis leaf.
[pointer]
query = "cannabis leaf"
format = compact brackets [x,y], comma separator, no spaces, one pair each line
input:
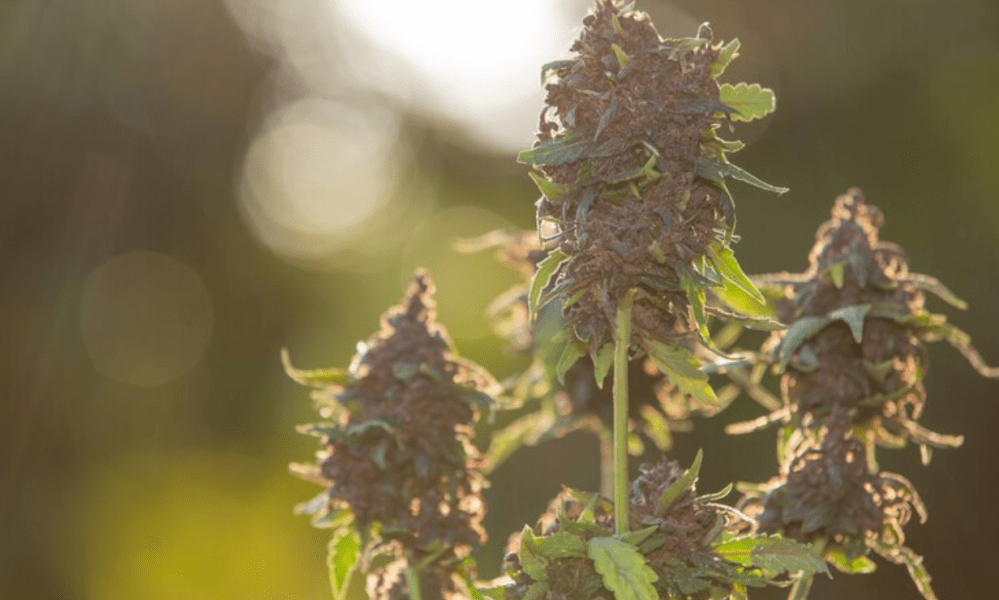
[725,56]
[341,559]
[561,544]
[682,370]
[623,569]
[726,264]
[319,378]
[750,102]
[556,152]
[542,277]
[775,554]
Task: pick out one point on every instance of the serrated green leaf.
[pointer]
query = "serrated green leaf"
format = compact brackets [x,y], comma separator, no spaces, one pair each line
[341,560]
[737,551]
[603,359]
[318,378]
[726,54]
[564,150]
[542,276]
[530,562]
[783,555]
[750,102]
[749,322]
[637,538]
[683,370]
[760,315]
[537,591]
[554,191]
[559,545]
[678,487]
[623,569]
[796,335]
[729,268]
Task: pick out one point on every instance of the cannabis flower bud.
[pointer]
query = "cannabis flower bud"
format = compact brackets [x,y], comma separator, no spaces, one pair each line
[395,456]
[858,329]
[681,545]
[852,363]
[633,176]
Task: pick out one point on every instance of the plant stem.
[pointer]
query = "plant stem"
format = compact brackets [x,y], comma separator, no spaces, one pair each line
[622,342]
[801,586]
[606,435]
[413,582]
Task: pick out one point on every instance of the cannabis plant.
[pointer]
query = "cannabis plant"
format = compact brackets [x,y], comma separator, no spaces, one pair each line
[851,365]
[401,478]
[631,275]
[635,205]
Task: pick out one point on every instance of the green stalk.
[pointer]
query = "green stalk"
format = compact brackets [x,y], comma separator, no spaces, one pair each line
[413,581]
[622,342]
[606,435]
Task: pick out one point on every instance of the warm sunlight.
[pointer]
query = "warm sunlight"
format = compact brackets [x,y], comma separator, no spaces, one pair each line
[475,61]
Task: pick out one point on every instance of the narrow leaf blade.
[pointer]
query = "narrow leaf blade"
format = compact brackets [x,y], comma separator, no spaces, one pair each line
[729,268]
[542,277]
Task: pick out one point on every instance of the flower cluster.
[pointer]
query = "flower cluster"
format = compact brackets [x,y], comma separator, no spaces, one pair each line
[680,545]
[395,456]
[852,362]
[633,176]
[569,399]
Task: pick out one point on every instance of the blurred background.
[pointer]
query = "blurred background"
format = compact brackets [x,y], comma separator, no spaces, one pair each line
[189,185]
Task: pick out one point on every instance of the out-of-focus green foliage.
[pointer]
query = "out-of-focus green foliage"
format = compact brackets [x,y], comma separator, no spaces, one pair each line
[124,123]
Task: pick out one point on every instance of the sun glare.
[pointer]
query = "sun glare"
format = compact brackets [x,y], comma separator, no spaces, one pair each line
[476,62]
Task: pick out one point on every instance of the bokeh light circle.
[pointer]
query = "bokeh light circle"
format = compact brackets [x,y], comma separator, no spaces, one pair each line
[316,172]
[146,318]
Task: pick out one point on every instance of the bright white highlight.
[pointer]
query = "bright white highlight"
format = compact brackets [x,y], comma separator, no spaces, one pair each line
[477,63]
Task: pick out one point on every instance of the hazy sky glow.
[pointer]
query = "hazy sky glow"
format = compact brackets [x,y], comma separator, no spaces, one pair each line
[477,63]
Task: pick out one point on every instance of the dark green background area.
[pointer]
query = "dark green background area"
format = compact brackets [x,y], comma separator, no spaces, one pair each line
[110,491]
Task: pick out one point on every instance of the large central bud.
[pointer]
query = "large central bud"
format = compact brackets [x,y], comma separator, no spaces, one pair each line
[633,177]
